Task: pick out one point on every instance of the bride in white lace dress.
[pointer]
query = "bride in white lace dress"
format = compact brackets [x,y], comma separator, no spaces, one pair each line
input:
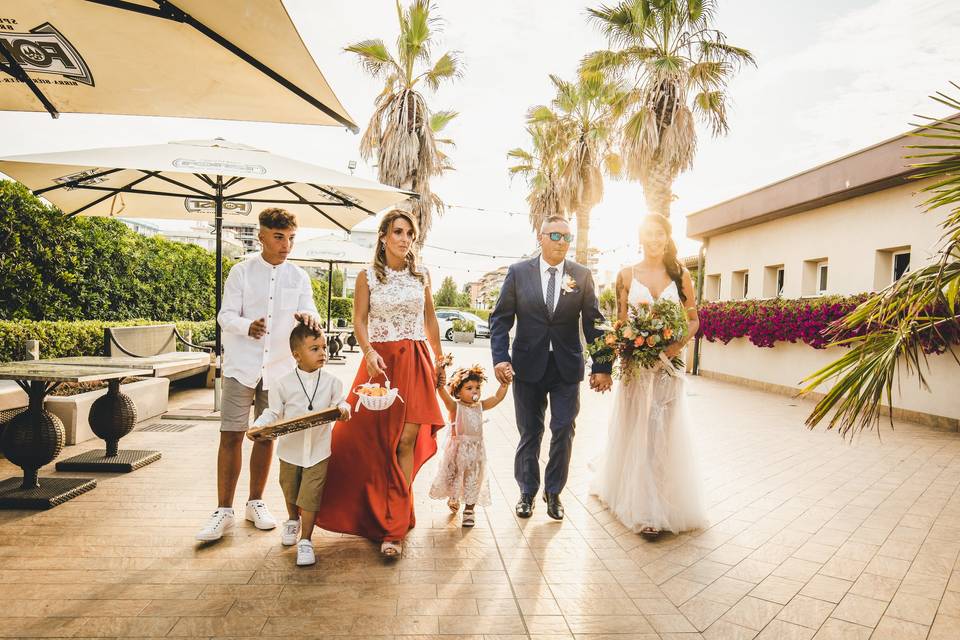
[647,475]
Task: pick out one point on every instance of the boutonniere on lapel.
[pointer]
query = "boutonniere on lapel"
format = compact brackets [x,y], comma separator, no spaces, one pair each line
[569,285]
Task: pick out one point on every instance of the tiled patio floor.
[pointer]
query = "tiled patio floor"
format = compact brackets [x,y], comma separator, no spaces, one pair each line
[810,538]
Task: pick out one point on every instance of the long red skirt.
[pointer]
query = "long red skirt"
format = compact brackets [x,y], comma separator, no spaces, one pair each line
[366,493]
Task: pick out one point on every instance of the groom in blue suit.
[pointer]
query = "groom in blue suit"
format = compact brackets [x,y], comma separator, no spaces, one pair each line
[550,299]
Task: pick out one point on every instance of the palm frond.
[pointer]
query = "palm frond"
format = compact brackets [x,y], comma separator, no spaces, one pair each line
[440,119]
[718,50]
[374,57]
[709,74]
[711,106]
[912,317]
[622,23]
[447,67]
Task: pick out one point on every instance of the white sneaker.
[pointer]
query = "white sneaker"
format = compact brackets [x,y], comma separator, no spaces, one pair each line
[305,555]
[291,529]
[220,521]
[260,516]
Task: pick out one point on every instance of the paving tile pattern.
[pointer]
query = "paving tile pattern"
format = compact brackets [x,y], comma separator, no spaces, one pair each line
[810,537]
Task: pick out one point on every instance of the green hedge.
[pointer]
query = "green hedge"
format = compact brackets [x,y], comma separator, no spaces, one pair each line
[76,338]
[342,308]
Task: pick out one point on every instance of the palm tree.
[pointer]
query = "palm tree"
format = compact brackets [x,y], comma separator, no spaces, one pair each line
[401,131]
[542,169]
[679,67]
[584,117]
[896,328]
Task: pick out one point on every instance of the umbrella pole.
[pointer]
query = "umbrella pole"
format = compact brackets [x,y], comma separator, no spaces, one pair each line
[218,221]
[329,292]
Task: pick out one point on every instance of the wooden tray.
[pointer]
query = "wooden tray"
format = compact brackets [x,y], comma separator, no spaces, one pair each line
[292,425]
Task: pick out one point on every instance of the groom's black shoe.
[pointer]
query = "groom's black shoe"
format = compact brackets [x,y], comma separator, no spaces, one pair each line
[554,508]
[525,506]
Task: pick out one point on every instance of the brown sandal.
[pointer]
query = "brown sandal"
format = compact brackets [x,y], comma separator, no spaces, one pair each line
[650,533]
[391,549]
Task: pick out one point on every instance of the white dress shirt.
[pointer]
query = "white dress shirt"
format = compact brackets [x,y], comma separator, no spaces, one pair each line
[545,279]
[287,399]
[257,289]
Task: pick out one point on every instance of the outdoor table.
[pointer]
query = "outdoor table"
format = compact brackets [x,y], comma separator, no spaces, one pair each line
[161,364]
[34,437]
[117,414]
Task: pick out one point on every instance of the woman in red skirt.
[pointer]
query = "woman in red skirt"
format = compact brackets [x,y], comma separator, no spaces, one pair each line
[376,455]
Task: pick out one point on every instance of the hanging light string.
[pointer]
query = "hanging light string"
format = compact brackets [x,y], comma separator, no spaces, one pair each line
[499,256]
[486,210]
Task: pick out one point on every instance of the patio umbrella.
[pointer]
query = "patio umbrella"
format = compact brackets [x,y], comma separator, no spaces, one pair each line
[229,59]
[328,250]
[199,179]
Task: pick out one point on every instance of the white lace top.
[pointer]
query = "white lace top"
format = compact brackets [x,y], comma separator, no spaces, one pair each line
[396,307]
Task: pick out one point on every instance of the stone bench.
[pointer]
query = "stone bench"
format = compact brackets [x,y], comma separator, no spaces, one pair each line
[147,341]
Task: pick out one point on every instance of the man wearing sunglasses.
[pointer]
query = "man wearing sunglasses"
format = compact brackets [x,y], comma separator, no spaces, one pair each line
[550,299]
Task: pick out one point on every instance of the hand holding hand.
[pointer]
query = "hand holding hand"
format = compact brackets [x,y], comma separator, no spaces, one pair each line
[503,372]
[308,319]
[601,382]
[344,412]
[441,375]
[257,328]
[375,364]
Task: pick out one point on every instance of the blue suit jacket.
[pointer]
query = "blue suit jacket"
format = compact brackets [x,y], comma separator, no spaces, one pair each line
[521,300]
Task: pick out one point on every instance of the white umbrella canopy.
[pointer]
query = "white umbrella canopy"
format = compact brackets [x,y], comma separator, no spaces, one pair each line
[179,181]
[328,250]
[228,59]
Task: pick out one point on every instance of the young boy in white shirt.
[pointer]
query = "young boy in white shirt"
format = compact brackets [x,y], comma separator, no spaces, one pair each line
[264,297]
[303,454]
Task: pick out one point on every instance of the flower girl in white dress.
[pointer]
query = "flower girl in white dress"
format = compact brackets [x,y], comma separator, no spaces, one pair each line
[647,475]
[462,476]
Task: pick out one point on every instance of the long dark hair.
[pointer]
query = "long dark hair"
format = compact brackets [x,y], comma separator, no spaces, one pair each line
[670,262]
[380,253]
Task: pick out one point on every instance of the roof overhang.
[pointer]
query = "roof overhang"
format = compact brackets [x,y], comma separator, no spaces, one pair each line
[873,169]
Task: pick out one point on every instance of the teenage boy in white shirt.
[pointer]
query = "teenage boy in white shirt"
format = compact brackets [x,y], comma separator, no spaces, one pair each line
[303,454]
[264,297]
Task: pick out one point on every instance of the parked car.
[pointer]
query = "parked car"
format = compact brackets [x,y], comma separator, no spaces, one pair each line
[445,318]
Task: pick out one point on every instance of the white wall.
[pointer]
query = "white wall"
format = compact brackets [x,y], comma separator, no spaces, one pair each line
[786,364]
[847,234]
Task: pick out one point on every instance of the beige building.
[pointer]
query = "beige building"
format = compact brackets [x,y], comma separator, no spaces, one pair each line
[489,289]
[852,225]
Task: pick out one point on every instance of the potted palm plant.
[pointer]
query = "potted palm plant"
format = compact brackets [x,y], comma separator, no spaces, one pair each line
[464,331]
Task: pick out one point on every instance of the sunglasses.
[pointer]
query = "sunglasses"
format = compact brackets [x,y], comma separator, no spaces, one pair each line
[556,236]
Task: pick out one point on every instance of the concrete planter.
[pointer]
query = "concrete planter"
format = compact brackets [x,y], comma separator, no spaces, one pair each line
[463,336]
[149,397]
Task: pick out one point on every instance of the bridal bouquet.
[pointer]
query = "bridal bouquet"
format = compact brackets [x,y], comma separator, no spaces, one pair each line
[639,342]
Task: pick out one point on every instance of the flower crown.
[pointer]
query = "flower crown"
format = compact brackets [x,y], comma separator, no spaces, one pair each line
[461,376]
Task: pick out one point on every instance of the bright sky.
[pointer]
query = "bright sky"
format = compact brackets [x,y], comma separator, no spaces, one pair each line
[833,76]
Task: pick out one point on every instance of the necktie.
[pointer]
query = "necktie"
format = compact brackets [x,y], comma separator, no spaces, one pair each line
[551,288]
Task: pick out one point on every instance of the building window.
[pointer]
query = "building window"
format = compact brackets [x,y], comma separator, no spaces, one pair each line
[711,287]
[901,264]
[740,285]
[773,281]
[891,264]
[813,279]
